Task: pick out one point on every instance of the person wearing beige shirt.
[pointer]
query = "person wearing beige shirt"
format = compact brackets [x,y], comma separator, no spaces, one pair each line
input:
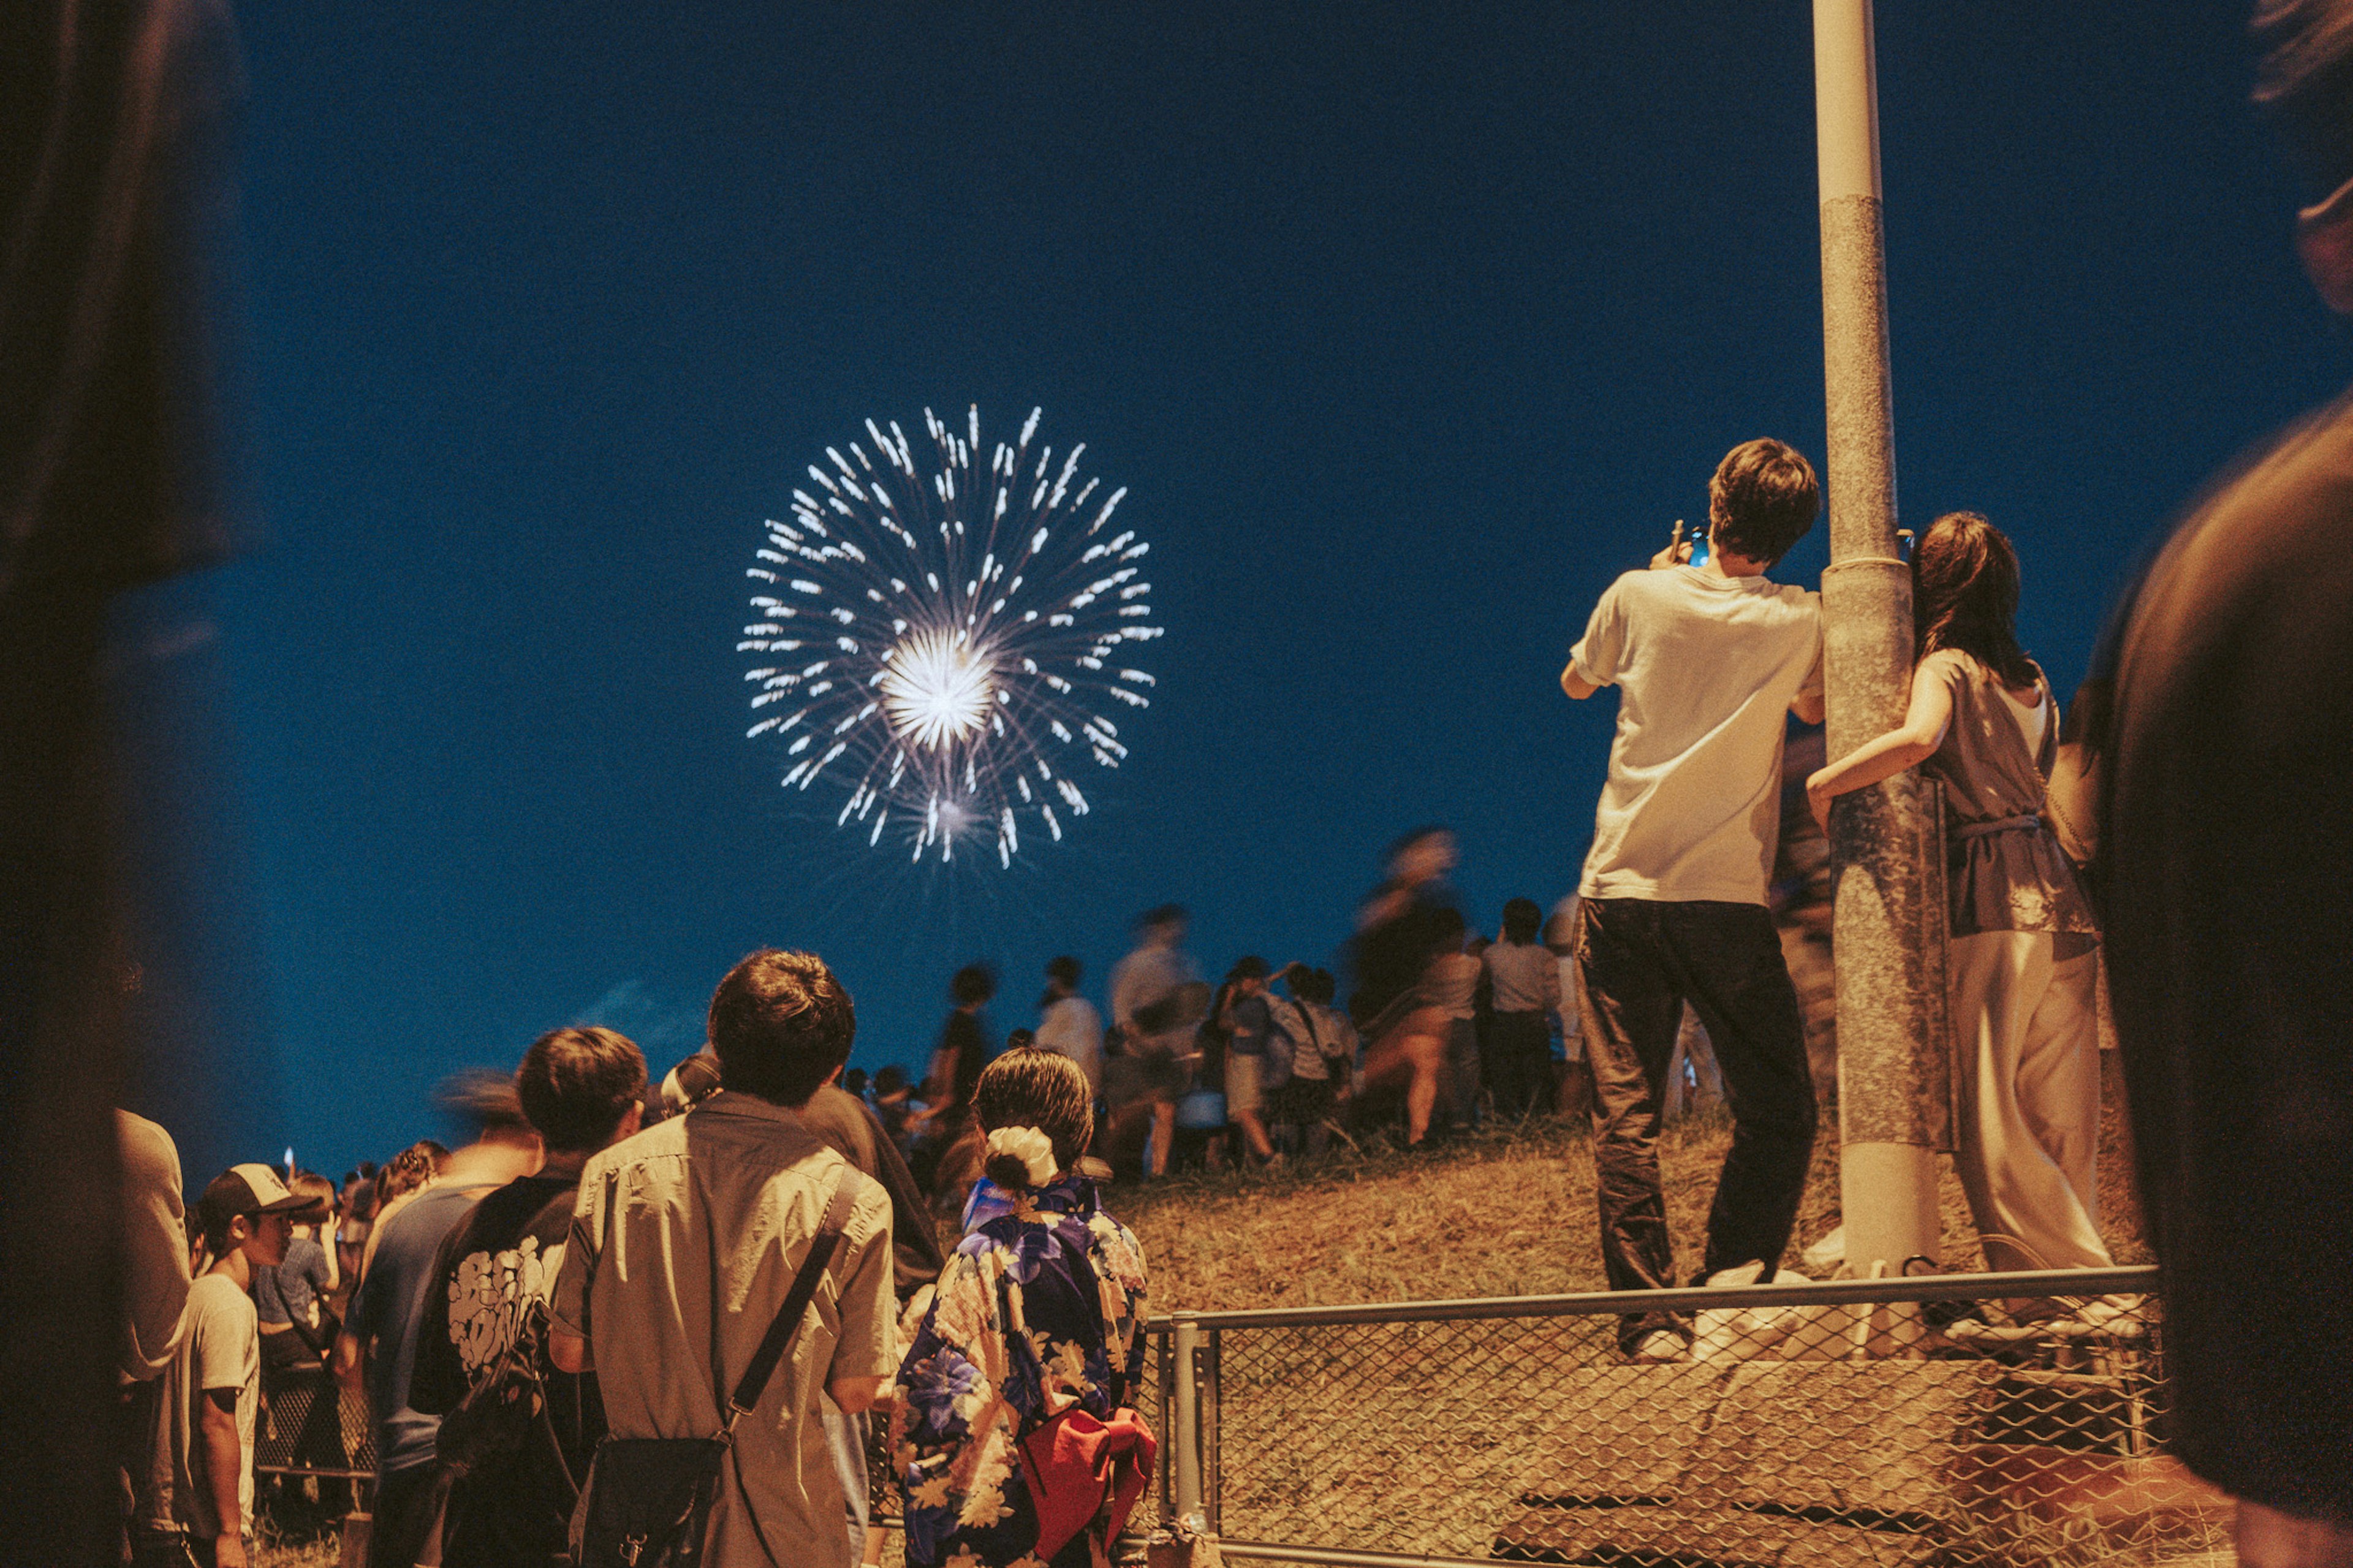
[729,1198]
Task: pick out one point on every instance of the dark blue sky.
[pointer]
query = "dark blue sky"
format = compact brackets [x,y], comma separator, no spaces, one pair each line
[1407,326]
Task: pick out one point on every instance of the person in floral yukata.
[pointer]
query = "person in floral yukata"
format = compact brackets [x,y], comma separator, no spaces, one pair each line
[1040,1309]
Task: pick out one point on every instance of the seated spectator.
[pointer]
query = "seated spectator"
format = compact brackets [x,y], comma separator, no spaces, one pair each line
[1526,988]
[734,1196]
[582,1089]
[1046,1293]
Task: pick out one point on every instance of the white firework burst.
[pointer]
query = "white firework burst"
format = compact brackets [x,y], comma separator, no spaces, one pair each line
[947,647]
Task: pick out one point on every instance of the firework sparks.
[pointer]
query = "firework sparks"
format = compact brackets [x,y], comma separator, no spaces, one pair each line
[947,647]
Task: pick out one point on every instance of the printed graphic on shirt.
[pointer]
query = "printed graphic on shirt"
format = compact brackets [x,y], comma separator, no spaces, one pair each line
[491,1298]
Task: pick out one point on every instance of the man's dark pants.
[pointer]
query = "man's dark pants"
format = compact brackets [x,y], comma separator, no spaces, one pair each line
[1641,960]
[407,1503]
[1517,1055]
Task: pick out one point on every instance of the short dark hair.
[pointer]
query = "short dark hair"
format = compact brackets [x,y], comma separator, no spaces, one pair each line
[576,1084]
[780,1024]
[973,983]
[1448,928]
[891,1079]
[1763,499]
[1027,1087]
[1521,919]
[482,1102]
[1066,970]
[1161,915]
[1313,984]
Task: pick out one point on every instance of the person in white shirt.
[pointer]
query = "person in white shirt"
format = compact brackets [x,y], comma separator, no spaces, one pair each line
[1068,1023]
[1709,659]
[1449,987]
[1524,981]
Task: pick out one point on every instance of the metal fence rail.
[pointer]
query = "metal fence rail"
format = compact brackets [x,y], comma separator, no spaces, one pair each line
[2015,1421]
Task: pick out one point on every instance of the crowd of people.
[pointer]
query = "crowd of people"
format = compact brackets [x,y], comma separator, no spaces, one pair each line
[603,1255]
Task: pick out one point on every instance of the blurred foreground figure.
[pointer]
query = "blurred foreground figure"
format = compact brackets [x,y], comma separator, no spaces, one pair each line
[2228,870]
[107,123]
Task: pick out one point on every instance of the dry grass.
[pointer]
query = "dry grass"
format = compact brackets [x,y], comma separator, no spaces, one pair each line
[1509,1212]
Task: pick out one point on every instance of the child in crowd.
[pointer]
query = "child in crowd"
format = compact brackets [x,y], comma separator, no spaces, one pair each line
[1711,659]
[1039,1317]
[2022,959]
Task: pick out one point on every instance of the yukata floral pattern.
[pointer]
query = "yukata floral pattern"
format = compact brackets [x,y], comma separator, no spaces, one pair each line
[1041,1308]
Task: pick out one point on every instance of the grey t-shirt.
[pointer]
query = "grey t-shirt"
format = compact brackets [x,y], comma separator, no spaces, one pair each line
[390,1309]
[287,1293]
[219,1348]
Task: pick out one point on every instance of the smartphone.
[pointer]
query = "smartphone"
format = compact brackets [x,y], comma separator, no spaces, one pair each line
[1698,545]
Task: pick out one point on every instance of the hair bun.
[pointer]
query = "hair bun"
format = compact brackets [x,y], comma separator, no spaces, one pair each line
[1024,1155]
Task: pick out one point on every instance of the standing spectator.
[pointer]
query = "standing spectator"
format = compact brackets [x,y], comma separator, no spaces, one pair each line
[891,1095]
[2022,959]
[1157,1003]
[956,1062]
[1244,1038]
[2226,874]
[155,1248]
[1526,988]
[1323,1047]
[1449,987]
[356,1215]
[377,1349]
[1400,928]
[1572,1087]
[296,1328]
[844,1124]
[581,1090]
[155,1268]
[193,1493]
[403,1176]
[1040,1312]
[1068,1023]
[1710,659]
[689,1084]
[729,1198]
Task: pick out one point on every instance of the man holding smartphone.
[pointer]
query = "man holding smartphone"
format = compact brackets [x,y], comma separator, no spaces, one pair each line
[1708,660]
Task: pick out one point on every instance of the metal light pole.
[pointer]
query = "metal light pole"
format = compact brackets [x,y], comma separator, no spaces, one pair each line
[1894,1075]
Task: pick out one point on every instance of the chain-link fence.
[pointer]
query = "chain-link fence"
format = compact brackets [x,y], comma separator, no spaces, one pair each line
[312,1427]
[2006,1420]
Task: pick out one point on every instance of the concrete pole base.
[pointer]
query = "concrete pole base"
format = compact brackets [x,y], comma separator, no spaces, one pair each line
[1887,1193]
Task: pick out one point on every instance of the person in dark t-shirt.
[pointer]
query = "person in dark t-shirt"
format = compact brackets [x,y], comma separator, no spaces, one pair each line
[581,1090]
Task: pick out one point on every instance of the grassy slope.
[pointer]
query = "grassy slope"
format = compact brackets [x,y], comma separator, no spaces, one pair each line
[1509,1213]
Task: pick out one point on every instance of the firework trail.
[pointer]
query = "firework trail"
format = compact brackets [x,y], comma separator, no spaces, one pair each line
[947,647]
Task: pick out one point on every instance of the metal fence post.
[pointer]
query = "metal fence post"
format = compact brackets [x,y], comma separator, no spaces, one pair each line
[1186,1436]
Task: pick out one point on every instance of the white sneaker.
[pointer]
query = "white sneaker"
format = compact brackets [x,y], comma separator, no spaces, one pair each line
[1659,1347]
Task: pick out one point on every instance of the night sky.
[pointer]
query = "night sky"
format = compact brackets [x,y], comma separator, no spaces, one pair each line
[1408,327]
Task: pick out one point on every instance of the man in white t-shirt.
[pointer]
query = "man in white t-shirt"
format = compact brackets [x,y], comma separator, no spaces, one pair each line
[193,1499]
[1709,659]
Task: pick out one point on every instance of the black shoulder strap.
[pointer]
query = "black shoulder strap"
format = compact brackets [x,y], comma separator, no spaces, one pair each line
[797,1300]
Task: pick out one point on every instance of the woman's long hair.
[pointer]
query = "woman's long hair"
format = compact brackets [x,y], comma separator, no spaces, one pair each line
[1965,596]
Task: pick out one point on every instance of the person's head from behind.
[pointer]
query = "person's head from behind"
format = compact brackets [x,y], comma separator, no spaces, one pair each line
[1314,985]
[1247,977]
[1062,976]
[581,1088]
[890,1083]
[973,985]
[2303,87]
[780,1024]
[480,1102]
[1025,1091]
[689,1084]
[247,1209]
[318,1196]
[854,1082]
[1446,931]
[1521,921]
[1163,926]
[409,1169]
[1763,500]
[1965,594]
[1424,855]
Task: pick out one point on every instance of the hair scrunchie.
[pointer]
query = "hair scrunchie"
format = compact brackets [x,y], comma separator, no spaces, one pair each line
[1031,1149]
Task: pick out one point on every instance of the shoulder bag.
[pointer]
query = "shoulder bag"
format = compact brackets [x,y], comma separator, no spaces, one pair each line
[648,1500]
